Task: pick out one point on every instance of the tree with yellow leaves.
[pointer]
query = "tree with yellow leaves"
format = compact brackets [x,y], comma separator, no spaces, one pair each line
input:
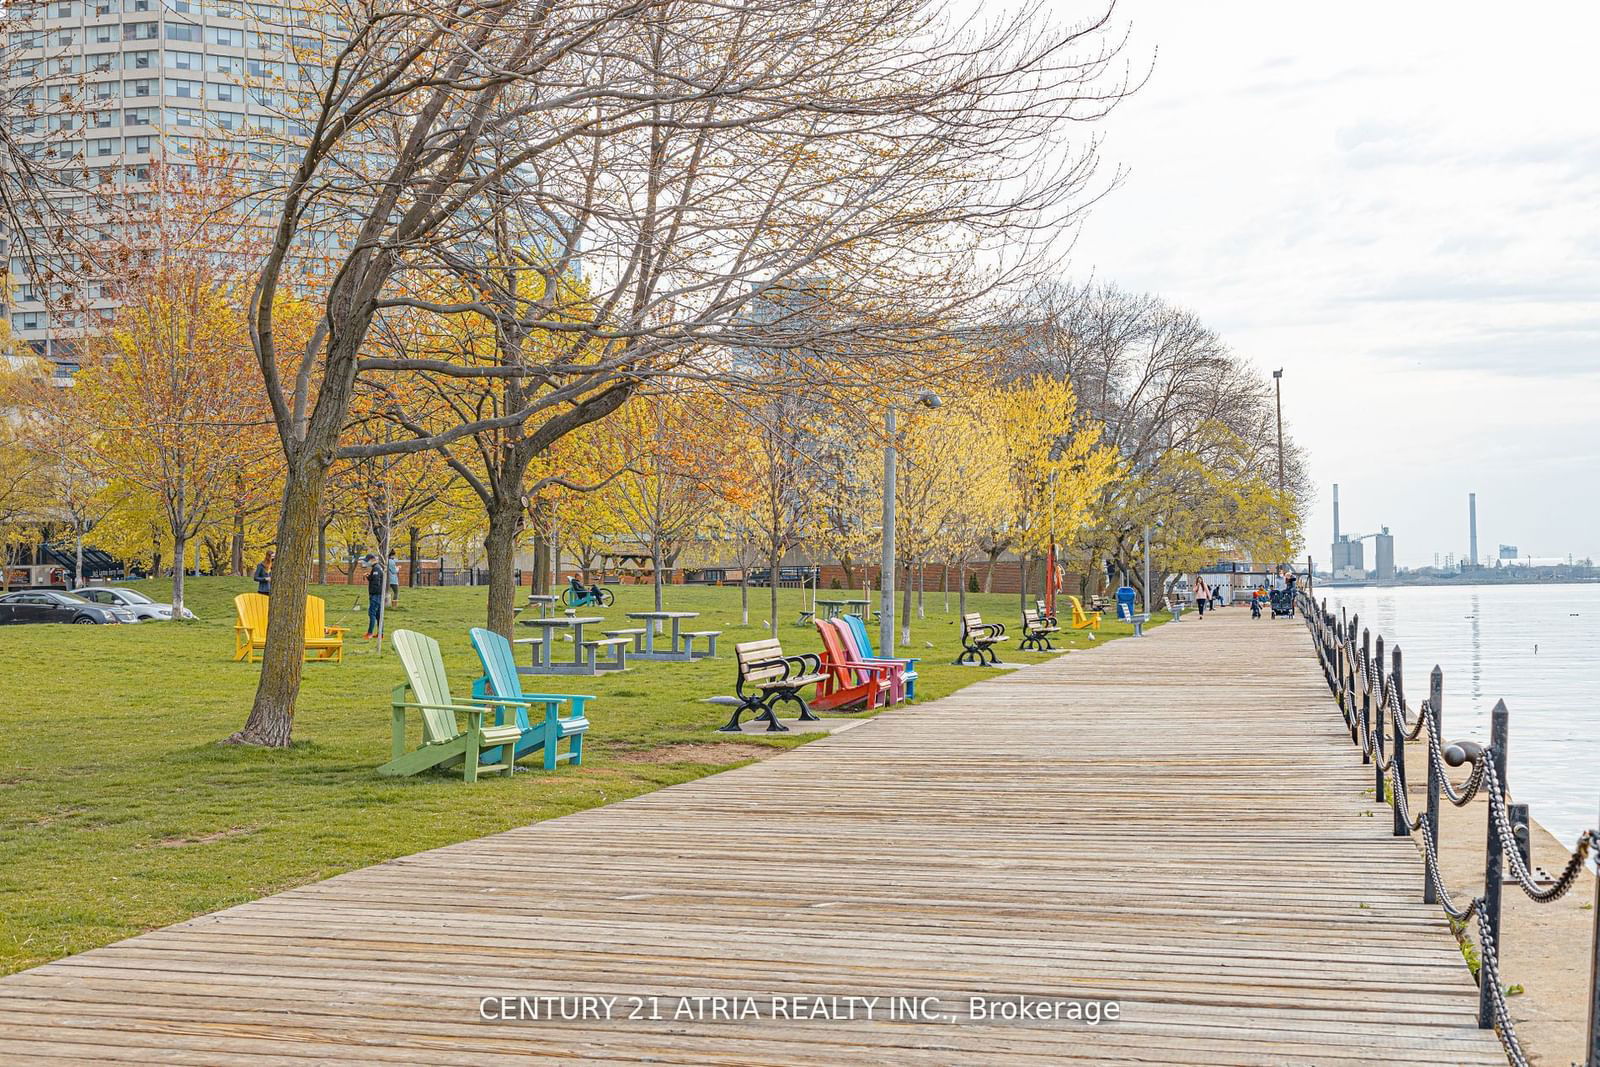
[951,490]
[168,385]
[1055,463]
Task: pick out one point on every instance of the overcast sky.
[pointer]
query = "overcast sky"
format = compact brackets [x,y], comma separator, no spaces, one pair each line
[1399,204]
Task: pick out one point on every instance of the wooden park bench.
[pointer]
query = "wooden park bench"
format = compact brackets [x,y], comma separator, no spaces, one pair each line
[1036,630]
[767,677]
[978,639]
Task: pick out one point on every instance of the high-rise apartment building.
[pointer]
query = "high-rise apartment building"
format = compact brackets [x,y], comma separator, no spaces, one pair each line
[99,89]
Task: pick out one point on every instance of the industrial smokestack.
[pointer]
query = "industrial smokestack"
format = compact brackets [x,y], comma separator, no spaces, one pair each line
[1472,529]
[1336,512]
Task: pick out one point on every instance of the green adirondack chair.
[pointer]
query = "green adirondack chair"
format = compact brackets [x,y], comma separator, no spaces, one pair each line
[443,741]
[500,678]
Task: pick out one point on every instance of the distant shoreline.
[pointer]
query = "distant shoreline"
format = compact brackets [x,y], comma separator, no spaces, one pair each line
[1447,583]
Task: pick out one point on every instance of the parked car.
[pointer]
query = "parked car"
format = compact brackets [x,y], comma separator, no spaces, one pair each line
[47,605]
[142,606]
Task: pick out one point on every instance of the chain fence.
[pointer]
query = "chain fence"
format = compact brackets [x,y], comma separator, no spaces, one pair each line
[1371,700]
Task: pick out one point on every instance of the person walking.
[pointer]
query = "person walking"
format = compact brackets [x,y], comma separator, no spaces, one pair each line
[1202,595]
[376,574]
[394,580]
[263,574]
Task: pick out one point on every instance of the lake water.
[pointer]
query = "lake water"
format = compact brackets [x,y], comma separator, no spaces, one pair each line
[1537,647]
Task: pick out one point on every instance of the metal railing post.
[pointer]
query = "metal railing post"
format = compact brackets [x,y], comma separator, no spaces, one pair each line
[1402,828]
[1494,860]
[1593,1058]
[1435,710]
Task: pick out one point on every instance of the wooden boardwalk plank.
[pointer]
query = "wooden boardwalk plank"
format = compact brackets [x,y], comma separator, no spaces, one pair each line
[1172,823]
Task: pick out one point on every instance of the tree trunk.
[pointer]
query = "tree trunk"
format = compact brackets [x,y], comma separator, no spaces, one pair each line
[1023,573]
[848,565]
[271,721]
[744,596]
[905,608]
[322,553]
[775,558]
[77,570]
[944,578]
[500,549]
[655,577]
[541,562]
[179,555]
[988,578]
[922,590]
[961,581]
[237,568]
[411,573]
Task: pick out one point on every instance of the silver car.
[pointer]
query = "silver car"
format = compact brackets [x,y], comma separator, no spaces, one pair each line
[142,607]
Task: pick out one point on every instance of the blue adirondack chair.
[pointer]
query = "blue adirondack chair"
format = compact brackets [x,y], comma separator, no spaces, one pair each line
[500,679]
[860,630]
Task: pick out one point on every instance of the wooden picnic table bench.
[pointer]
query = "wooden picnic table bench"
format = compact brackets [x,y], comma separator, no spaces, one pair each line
[766,677]
[978,639]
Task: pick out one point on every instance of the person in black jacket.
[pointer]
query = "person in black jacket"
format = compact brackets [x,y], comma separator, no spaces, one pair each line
[377,579]
[263,574]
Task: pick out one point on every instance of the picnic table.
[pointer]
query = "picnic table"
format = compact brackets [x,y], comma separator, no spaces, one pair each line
[545,602]
[836,608]
[682,646]
[543,652]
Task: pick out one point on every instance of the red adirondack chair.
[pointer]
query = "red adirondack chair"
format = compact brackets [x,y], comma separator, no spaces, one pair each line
[852,650]
[849,681]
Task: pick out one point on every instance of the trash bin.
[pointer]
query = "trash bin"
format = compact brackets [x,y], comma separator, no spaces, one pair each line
[1126,598]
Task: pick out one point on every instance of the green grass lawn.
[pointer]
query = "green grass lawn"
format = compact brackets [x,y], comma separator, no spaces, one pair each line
[120,812]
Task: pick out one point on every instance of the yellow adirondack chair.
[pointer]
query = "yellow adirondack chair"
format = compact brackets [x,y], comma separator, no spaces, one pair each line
[327,642]
[1083,620]
[323,642]
[250,632]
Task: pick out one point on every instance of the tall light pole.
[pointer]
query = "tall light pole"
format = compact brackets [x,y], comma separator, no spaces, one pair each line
[886,568]
[1277,382]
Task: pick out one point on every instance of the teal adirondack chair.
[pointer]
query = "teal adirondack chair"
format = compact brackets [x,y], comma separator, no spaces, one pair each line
[864,646]
[500,679]
[443,740]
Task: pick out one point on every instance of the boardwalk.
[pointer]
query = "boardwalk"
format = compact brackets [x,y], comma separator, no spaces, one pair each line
[1175,824]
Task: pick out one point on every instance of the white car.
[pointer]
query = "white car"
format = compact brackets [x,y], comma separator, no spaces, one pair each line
[142,606]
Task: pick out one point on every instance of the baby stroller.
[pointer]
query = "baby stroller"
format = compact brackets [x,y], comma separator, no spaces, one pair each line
[1282,602]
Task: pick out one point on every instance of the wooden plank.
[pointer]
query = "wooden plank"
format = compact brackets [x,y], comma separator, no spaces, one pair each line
[1099,826]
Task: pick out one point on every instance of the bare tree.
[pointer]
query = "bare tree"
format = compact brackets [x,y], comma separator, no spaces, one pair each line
[690,156]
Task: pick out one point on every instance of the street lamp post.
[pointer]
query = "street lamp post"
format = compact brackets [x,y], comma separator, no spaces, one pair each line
[1147,602]
[886,568]
[1277,383]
